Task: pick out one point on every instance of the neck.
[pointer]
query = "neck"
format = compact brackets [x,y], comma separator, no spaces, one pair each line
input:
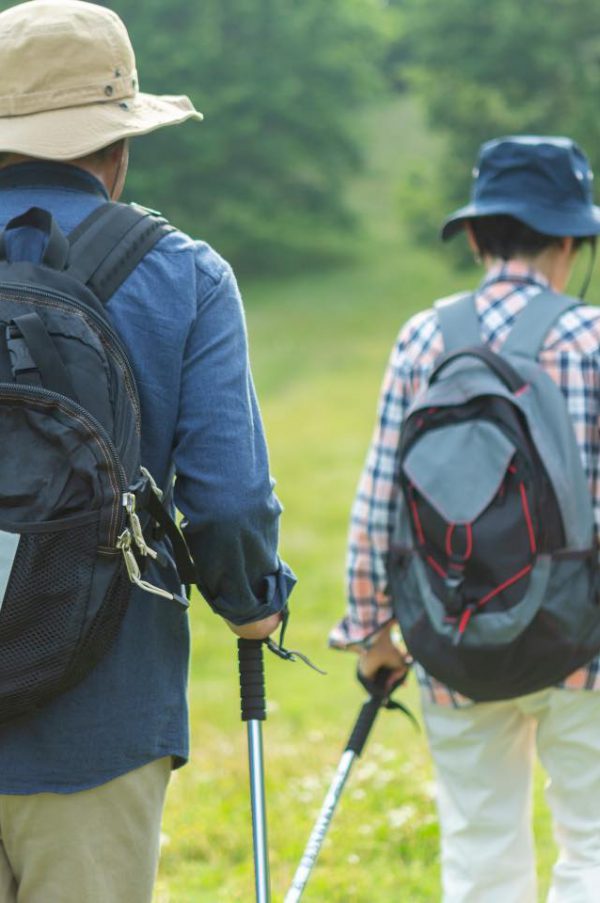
[555,267]
[109,169]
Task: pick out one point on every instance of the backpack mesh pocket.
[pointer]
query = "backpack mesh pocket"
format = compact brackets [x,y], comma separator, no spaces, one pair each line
[43,612]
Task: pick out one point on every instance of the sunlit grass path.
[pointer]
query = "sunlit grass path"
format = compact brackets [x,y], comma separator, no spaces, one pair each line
[319,344]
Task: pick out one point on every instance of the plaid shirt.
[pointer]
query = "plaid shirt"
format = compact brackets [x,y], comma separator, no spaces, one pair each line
[570,355]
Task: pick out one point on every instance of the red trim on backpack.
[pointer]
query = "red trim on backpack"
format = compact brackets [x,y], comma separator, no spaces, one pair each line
[436,566]
[468,612]
[416,518]
[468,541]
[504,585]
[464,620]
[449,533]
[469,548]
[528,521]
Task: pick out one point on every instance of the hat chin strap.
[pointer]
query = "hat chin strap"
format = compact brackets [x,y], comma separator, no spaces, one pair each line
[588,278]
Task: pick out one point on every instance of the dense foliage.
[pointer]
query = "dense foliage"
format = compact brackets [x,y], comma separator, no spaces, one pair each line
[279,82]
[488,69]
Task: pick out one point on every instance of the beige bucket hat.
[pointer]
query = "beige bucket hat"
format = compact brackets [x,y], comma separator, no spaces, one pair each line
[68,82]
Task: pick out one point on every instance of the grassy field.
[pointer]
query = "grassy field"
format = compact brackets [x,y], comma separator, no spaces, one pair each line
[319,345]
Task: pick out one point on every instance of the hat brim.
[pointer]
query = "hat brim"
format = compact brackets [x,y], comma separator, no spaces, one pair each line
[554,221]
[73,132]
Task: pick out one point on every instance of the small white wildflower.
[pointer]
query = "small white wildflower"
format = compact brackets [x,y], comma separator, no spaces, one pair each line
[383,777]
[429,789]
[353,859]
[388,755]
[310,782]
[397,818]
[367,771]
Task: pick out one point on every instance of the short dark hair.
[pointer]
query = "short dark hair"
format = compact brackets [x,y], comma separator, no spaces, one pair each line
[505,237]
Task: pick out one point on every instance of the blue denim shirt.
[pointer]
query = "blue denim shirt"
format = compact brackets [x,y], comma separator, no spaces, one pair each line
[181,319]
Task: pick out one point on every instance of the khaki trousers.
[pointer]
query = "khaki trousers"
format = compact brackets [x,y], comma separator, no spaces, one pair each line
[94,846]
[483,757]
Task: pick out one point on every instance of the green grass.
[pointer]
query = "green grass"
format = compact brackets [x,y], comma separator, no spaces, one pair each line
[319,345]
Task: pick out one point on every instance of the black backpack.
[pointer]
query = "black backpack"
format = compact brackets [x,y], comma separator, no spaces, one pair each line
[494,565]
[79,515]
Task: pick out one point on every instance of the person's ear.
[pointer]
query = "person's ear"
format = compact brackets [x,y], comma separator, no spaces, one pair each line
[119,161]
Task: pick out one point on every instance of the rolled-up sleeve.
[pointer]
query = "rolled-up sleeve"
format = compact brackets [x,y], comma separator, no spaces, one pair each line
[223,486]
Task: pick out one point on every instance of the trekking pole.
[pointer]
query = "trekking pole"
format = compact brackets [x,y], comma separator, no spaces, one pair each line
[252,696]
[354,747]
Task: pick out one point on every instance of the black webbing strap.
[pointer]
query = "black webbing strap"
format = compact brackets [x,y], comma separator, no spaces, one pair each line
[185,566]
[108,245]
[86,224]
[31,330]
[6,374]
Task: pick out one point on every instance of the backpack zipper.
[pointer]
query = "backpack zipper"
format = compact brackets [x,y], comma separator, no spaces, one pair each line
[23,392]
[108,336]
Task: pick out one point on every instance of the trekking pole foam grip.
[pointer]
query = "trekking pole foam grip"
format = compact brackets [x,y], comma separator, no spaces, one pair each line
[362,728]
[252,680]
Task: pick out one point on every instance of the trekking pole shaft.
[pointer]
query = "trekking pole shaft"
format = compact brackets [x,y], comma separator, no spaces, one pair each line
[259,813]
[253,703]
[315,841]
[354,748]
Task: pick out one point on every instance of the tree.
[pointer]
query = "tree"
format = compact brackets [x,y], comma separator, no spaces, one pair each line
[280,83]
[491,69]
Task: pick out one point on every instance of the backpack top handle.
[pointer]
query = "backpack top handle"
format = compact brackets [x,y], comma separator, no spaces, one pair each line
[503,370]
[56,252]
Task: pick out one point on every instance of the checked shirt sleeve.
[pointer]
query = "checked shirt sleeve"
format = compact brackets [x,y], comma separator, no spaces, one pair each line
[369,605]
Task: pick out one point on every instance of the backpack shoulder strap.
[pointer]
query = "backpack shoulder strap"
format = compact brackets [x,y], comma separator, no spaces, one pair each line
[532,325]
[458,321]
[108,245]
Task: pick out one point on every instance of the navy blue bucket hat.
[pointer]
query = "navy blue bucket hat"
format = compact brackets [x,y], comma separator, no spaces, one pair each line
[544,182]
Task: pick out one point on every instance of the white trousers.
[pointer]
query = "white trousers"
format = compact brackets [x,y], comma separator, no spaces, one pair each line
[483,757]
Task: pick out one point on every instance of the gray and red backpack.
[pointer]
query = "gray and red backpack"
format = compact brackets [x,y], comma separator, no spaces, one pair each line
[79,514]
[494,563]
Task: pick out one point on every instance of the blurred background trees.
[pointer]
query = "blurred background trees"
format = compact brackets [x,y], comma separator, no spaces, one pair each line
[284,85]
[490,69]
[279,83]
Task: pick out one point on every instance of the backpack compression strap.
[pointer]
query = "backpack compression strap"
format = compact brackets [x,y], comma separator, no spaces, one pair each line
[458,321]
[108,245]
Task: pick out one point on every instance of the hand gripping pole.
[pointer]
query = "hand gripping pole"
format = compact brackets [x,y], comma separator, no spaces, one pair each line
[253,704]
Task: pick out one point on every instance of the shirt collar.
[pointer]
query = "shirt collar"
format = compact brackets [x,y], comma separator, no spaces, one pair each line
[514,271]
[42,174]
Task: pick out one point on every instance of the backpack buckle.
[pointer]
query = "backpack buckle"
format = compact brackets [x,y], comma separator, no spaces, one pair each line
[124,544]
[136,526]
[23,366]
[453,582]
